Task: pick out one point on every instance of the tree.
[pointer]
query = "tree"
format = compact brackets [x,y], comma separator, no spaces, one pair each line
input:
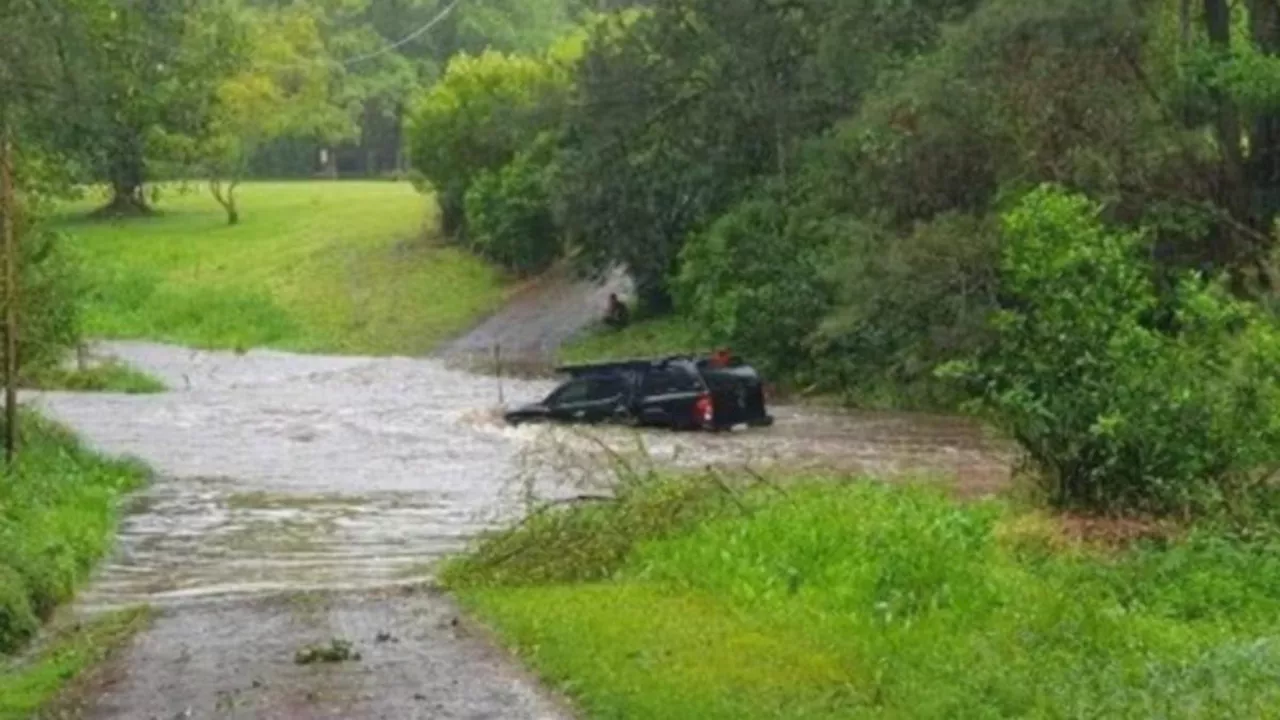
[683,107]
[283,89]
[485,110]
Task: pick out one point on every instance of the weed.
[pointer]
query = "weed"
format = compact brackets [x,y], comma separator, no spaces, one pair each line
[335,651]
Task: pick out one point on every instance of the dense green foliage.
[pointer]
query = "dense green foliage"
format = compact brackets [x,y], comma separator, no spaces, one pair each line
[867,600]
[57,518]
[482,113]
[509,215]
[49,308]
[1123,398]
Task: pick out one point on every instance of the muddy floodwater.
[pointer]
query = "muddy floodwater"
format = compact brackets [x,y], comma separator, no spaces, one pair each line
[303,498]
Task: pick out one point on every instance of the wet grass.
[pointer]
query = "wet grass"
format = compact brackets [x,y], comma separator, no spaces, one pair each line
[111,376]
[867,600]
[58,512]
[346,267]
[260,500]
[30,685]
[648,338]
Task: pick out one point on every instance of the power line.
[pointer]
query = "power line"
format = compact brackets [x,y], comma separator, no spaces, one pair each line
[406,39]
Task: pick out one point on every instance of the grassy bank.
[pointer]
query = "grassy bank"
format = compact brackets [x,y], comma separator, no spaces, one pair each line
[863,600]
[109,376]
[32,684]
[646,338]
[313,266]
[58,513]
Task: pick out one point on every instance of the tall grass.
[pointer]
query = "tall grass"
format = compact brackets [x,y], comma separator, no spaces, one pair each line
[58,511]
[647,338]
[866,600]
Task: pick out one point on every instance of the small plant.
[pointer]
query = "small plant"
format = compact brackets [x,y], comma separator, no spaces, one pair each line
[335,651]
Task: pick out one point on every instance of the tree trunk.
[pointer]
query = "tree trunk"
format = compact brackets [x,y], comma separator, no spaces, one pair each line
[1264,140]
[1234,192]
[226,199]
[128,178]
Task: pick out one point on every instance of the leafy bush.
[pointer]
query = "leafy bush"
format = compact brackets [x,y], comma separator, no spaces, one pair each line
[484,111]
[1125,399]
[904,304]
[50,301]
[755,281]
[509,212]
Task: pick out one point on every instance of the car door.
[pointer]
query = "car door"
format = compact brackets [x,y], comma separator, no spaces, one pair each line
[589,399]
[668,396]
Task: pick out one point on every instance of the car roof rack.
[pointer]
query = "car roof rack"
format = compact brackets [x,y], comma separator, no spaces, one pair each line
[614,366]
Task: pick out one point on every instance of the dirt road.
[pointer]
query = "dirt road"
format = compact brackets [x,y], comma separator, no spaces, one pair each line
[535,323]
[302,498]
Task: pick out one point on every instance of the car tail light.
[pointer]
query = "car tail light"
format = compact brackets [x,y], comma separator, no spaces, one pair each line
[704,410]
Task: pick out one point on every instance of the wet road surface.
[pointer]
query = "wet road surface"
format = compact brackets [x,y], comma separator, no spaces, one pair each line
[304,498]
[531,328]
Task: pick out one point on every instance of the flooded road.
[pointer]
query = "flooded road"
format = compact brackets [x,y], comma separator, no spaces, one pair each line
[304,498]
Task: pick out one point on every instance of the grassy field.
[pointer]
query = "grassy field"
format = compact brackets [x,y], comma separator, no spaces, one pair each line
[647,338]
[864,600]
[345,267]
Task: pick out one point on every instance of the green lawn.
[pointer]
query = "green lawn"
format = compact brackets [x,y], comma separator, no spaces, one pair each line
[647,338]
[349,267]
[865,600]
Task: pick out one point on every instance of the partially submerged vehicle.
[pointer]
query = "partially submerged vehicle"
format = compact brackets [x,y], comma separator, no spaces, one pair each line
[679,392]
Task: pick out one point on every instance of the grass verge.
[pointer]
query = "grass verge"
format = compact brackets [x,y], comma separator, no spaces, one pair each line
[110,376]
[313,266]
[648,338]
[866,600]
[32,684]
[58,511]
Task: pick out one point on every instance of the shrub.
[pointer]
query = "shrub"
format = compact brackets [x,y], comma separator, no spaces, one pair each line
[49,309]
[755,280]
[509,215]
[1123,399]
[477,118]
[906,304]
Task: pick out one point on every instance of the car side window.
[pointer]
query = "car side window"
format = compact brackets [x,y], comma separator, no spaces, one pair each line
[574,391]
[608,388]
[588,390]
[667,381]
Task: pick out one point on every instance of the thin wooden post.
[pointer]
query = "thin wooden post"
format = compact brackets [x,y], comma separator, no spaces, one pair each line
[497,368]
[8,211]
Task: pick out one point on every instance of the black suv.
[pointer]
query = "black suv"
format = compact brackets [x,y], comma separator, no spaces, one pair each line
[682,393]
